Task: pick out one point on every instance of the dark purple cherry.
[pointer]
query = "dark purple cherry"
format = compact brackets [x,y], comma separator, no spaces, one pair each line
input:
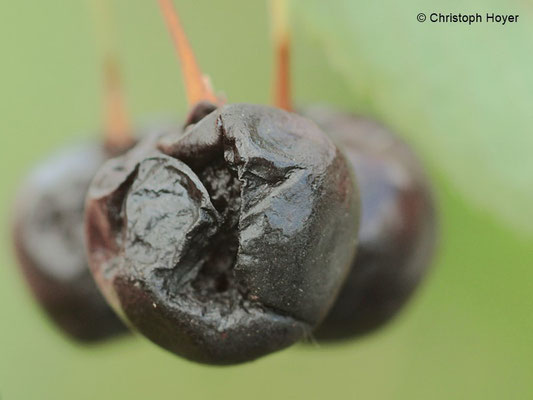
[228,242]
[48,235]
[397,231]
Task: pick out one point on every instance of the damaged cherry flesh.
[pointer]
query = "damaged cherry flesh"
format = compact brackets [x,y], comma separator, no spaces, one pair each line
[49,243]
[397,231]
[230,241]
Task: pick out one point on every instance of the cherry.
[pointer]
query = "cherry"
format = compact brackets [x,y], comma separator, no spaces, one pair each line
[398,225]
[48,230]
[231,240]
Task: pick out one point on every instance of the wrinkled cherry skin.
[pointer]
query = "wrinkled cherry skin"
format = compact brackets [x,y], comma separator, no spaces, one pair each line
[398,226]
[230,241]
[48,237]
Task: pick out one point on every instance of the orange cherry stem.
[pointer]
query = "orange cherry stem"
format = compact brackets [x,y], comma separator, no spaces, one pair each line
[282,72]
[117,126]
[197,85]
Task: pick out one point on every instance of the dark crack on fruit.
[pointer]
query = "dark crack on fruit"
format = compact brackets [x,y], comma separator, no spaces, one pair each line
[397,234]
[216,275]
[235,237]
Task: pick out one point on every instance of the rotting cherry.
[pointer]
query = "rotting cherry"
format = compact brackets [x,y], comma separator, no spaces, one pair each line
[230,241]
[48,227]
[397,232]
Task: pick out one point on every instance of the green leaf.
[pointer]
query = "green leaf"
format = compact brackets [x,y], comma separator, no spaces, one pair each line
[461,94]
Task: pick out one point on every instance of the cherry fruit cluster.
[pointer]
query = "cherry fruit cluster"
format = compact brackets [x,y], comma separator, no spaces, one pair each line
[243,231]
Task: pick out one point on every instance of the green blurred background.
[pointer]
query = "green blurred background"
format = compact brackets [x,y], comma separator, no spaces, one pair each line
[462,96]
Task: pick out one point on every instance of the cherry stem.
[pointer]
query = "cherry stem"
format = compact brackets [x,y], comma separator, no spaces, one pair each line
[117,126]
[281,36]
[197,85]
[118,129]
